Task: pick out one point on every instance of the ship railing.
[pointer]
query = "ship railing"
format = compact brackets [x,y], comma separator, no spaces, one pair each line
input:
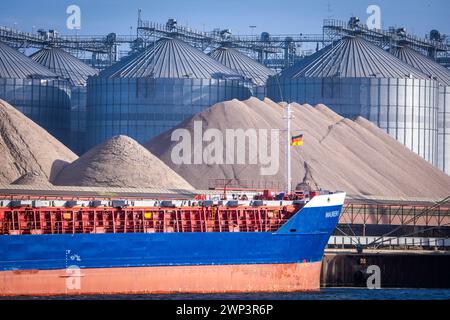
[119,227]
[345,242]
[15,224]
[244,185]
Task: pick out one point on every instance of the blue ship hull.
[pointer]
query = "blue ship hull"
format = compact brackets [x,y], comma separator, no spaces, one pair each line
[301,240]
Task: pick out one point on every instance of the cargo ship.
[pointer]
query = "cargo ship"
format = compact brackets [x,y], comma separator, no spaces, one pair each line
[92,247]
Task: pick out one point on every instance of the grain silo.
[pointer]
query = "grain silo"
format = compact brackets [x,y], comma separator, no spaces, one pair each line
[35,91]
[76,72]
[154,90]
[245,66]
[442,75]
[357,78]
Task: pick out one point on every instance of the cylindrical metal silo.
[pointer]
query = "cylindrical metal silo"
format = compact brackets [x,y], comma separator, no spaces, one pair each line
[357,78]
[442,75]
[76,72]
[245,66]
[35,91]
[154,90]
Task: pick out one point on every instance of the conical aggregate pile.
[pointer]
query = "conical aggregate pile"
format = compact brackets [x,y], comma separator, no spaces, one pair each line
[33,178]
[338,153]
[26,147]
[120,162]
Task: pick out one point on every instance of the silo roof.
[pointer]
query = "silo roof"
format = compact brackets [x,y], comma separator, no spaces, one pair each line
[15,65]
[64,65]
[424,64]
[169,58]
[242,64]
[355,58]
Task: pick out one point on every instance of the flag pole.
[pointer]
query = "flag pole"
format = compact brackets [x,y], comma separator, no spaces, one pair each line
[288,150]
[288,139]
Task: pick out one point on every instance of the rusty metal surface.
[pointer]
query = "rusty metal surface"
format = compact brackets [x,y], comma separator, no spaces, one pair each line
[164,280]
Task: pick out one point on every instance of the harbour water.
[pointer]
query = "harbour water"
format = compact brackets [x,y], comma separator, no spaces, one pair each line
[324,294]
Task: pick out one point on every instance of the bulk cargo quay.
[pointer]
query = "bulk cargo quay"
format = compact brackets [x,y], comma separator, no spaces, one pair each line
[59,247]
[409,241]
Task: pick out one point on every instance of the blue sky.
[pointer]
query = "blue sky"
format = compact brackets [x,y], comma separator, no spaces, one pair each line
[100,17]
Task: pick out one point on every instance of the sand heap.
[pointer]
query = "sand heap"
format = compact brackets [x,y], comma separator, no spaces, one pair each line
[338,153]
[26,147]
[120,162]
[33,178]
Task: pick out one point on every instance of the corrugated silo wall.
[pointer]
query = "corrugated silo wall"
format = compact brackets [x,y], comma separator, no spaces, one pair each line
[405,108]
[444,129]
[144,108]
[46,102]
[78,119]
[259,92]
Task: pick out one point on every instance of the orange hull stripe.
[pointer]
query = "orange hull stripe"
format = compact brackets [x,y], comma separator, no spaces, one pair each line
[163,280]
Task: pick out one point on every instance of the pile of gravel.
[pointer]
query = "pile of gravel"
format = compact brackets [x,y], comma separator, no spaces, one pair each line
[120,162]
[338,153]
[26,147]
[33,178]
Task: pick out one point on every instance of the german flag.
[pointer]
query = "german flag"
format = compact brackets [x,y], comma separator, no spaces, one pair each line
[297,140]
